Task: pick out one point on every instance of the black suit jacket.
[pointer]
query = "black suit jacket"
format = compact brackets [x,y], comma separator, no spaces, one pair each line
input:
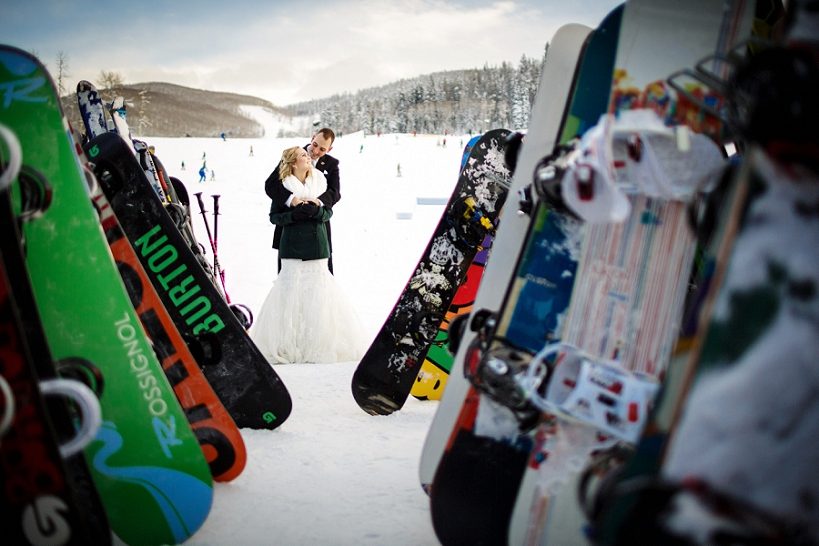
[274,189]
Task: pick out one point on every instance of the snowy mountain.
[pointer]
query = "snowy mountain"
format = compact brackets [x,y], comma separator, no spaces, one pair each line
[168,110]
[456,102]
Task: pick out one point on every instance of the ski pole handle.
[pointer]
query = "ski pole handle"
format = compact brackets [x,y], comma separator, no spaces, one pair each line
[215,221]
[218,268]
[203,211]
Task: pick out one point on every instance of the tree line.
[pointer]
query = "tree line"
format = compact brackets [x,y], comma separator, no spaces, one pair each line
[460,102]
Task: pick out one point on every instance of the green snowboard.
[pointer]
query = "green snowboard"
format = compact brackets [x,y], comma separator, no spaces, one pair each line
[147,464]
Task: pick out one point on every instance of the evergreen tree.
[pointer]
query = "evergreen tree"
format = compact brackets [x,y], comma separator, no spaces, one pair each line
[460,101]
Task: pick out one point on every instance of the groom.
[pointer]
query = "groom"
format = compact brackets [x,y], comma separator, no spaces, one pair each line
[320,144]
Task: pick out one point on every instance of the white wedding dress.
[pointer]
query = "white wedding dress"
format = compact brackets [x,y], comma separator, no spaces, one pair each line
[306,316]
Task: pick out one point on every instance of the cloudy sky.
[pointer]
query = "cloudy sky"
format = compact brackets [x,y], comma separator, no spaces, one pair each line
[281,50]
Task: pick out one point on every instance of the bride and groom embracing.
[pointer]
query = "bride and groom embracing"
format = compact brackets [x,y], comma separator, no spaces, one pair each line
[306,317]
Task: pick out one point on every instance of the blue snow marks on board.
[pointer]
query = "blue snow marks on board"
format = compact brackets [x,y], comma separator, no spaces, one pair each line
[546,276]
[184,500]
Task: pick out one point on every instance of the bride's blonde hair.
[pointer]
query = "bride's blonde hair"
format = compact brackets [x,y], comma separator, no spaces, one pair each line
[289,157]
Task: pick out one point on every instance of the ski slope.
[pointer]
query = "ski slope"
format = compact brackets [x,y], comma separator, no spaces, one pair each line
[331,474]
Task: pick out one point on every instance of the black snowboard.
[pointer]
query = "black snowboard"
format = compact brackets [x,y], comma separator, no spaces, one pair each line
[385,376]
[244,381]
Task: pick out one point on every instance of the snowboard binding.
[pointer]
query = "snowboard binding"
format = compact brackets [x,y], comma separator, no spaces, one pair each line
[494,366]
[205,348]
[455,333]
[549,175]
[526,204]
[416,327]
[243,314]
[514,141]
[470,224]
[564,381]
[497,372]
[82,370]
[35,193]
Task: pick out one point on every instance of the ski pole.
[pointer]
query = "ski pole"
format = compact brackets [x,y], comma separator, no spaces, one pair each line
[215,222]
[216,239]
[216,265]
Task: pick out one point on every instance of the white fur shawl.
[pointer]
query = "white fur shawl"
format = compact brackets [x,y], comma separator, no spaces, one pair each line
[314,185]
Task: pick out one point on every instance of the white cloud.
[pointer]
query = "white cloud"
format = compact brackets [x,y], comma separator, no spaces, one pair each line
[287,52]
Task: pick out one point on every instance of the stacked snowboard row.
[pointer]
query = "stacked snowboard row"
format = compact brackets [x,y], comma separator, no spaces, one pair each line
[638,365]
[106,298]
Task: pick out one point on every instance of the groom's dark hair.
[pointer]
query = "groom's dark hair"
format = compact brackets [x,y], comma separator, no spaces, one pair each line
[328,134]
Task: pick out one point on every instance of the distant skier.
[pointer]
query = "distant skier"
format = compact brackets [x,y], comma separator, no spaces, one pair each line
[399,170]
[213,175]
[361,149]
[251,151]
[203,156]
[183,165]
[223,136]
[202,173]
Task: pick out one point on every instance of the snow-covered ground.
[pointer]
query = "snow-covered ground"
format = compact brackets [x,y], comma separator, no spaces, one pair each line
[331,474]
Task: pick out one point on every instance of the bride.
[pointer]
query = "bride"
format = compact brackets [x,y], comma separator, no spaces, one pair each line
[306,317]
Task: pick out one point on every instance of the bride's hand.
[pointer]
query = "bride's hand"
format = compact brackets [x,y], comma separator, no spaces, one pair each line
[296,202]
